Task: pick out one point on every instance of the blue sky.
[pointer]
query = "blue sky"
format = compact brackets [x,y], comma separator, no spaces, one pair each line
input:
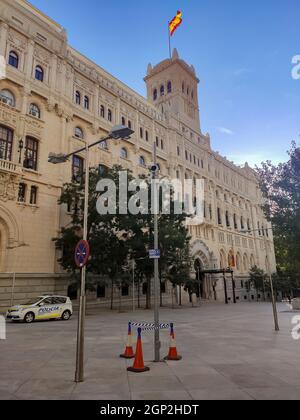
[242,52]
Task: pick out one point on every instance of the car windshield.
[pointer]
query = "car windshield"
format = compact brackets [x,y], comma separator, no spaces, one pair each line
[33,301]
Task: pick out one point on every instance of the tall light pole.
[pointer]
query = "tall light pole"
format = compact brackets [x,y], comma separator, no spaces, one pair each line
[274,306]
[118,132]
[154,171]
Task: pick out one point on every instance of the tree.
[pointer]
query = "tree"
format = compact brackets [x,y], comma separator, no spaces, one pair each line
[281,188]
[258,279]
[115,240]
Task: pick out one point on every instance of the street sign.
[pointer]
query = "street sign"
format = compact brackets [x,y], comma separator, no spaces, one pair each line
[82,253]
[154,254]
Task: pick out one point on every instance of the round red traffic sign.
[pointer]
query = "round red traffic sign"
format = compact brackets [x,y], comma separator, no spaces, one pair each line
[82,253]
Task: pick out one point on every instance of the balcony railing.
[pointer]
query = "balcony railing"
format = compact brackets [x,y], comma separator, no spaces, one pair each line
[10,167]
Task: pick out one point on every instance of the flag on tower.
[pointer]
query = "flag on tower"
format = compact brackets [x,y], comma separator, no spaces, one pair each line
[175,22]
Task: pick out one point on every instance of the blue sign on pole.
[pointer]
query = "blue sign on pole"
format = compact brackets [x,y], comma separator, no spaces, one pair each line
[154,254]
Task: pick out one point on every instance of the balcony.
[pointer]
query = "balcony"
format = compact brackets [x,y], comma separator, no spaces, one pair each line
[10,167]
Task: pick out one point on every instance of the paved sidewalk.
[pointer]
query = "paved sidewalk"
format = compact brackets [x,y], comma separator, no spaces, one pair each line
[229,352]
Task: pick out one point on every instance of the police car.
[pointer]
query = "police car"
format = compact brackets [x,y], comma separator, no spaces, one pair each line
[41,309]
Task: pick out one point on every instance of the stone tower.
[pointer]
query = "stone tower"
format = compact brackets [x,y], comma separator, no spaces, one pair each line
[172,86]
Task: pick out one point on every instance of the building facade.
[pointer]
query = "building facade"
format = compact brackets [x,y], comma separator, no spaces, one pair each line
[53,99]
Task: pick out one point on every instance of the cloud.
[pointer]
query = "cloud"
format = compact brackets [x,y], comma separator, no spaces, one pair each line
[225,130]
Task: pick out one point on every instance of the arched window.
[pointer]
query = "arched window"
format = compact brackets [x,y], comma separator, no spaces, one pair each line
[169,87]
[7,97]
[142,161]
[102,111]
[86,102]
[6,140]
[155,94]
[13,59]
[129,124]
[39,74]
[242,223]
[77,97]
[246,263]
[162,90]
[124,153]
[123,121]
[34,110]
[78,133]
[109,115]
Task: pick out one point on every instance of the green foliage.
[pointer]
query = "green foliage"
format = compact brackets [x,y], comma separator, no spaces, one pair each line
[116,240]
[281,187]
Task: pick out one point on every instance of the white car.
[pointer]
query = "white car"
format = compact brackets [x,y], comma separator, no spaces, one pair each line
[41,309]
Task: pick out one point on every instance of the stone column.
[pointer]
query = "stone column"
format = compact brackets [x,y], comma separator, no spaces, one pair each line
[29,60]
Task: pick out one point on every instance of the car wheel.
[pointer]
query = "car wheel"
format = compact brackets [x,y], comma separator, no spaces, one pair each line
[66,316]
[29,318]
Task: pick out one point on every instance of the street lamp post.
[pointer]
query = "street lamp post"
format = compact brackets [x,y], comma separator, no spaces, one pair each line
[118,132]
[156,264]
[275,314]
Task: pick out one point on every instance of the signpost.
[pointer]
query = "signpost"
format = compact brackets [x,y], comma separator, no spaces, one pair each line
[82,254]
[154,254]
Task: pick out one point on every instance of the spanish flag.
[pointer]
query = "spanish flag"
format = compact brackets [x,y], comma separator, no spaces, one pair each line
[175,23]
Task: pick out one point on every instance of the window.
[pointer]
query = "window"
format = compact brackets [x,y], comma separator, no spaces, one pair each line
[125,290]
[34,110]
[103,145]
[33,195]
[141,133]
[186,155]
[142,161]
[102,111]
[129,124]
[169,87]
[157,142]
[124,153]
[86,102]
[123,121]
[6,139]
[162,144]
[77,169]
[78,133]
[163,287]
[147,136]
[31,153]
[39,74]
[162,90]
[155,95]
[227,219]
[219,216]
[101,292]
[183,87]
[13,59]
[109,115]
[235,221]
[178,151]
[7,97]
[77,98]
[22,193]
[242,223]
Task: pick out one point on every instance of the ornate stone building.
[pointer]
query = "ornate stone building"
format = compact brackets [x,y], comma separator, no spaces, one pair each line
[54,99]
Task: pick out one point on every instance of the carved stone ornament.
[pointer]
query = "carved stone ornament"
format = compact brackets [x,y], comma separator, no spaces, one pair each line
[9,184]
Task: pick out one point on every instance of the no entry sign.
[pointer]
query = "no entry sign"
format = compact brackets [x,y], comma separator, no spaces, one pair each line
[82,253]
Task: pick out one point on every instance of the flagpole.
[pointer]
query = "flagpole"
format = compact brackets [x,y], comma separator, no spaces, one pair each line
[169,35]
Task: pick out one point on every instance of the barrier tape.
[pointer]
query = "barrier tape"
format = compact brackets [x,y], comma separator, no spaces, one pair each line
[146,326]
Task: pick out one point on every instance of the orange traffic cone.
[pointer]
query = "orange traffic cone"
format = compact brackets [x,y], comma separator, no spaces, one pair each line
[173,350]
[138,366]
[129,353]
